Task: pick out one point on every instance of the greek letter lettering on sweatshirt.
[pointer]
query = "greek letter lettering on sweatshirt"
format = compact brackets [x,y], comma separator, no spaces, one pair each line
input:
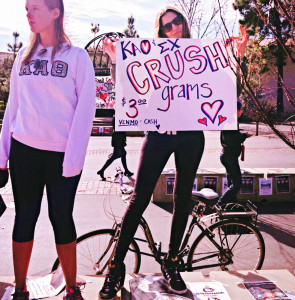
[51,106]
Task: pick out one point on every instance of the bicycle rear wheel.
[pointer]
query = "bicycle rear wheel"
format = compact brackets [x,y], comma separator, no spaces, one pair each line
[94,250]
[242,248]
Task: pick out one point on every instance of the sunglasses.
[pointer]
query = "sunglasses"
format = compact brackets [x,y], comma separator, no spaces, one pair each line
[176,21]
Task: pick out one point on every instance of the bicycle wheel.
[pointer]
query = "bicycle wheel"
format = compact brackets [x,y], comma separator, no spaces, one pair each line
[242,248]
[94,250]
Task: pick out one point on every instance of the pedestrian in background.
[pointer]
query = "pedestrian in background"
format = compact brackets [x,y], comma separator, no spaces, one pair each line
[231,141]
[45,133]
[119,144]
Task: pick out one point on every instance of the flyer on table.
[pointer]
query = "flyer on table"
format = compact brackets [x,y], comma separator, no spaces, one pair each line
[175,84]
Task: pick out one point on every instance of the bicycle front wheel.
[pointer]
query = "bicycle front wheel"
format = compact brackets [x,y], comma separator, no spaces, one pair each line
[241,247]
[94,250]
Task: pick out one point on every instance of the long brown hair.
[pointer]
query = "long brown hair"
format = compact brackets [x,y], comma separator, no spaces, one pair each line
[158,24]
[59,32]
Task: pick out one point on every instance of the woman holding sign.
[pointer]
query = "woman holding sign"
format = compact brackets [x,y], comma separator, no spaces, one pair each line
[45,133]
[187,147]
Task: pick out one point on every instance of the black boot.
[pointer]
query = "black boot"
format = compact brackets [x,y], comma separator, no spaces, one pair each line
[101,174]
[128,173]
[171,274]
[114,281]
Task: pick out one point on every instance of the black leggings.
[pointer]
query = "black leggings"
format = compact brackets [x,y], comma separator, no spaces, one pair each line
[188,148]
[31,169]
[117,153]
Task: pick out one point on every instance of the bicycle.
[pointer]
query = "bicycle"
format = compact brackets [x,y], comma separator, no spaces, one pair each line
[229,239]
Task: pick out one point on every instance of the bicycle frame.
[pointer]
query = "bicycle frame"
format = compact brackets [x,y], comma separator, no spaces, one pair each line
[198,220]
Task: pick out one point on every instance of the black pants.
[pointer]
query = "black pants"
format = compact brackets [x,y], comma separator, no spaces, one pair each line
[234,177]
[117,153]
[31,170]
[188,149]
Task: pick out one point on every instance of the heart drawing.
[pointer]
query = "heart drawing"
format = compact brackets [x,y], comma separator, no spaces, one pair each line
[221,119]
[103,96]
[158,126]
[145,46]
[203,121]
[211,110]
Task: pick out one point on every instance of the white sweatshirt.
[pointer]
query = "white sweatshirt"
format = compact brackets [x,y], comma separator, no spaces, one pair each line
[51,107]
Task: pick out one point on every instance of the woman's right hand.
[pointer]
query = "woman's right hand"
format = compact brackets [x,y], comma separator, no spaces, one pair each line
[109,46]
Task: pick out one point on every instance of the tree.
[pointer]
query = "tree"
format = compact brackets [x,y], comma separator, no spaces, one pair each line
[260,25]
[269,19]
[5,71]
[201,16]
[130,31]
[15,46]
[94,30]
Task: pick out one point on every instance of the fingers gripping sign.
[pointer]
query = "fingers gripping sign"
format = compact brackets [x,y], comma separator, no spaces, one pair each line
[241,41]
[109,46]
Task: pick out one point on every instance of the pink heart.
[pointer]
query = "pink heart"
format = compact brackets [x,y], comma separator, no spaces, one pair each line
[203,121]
[103,96]
[221,119]
[145,47]
[211,110]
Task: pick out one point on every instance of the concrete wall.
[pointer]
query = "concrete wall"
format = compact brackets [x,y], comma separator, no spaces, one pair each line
[280,185]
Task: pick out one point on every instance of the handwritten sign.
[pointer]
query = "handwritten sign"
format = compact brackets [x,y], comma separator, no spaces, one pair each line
[174,84]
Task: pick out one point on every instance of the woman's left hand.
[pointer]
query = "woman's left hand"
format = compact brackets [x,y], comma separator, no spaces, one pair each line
[241,41]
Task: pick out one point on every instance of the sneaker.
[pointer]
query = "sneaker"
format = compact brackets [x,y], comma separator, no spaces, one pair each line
[128,173]
[173,277]
[73,293]
[21,294]
[101,174]
[114,281]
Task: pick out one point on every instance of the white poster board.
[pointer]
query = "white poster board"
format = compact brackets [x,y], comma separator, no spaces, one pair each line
[174,84]
[265,186]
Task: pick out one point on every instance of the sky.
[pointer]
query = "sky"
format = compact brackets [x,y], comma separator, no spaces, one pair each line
[112,15]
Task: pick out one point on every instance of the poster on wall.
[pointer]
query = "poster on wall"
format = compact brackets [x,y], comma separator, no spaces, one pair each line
[283,184]
[105,93]
[195,186]
[224,185]
[265,186]
[175,84]
[247,185]
[211,183]
[170,185]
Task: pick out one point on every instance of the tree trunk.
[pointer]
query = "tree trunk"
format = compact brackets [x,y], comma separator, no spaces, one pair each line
[280,62]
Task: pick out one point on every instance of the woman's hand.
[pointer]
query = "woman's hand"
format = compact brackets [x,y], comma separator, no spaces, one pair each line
[109,46]
[241,41]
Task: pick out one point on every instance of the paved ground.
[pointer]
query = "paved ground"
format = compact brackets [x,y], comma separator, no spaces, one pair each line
[276,221]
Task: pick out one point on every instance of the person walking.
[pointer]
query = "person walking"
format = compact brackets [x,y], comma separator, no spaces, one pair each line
[119,144]
[187,146]
[231,141]
[45,133]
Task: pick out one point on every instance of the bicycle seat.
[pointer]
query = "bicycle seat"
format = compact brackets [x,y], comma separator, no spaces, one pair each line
[206,193]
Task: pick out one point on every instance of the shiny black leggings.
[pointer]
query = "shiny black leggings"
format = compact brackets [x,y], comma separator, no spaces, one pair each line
[31,170]
[188,148]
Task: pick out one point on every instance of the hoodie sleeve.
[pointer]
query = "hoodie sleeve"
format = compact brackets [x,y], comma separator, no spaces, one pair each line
[83,118]
[10,112]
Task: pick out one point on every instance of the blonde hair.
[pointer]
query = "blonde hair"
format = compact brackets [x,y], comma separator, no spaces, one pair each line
[158,23]
[59,32]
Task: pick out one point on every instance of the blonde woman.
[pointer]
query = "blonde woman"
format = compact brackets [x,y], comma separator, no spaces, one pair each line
[187,146]
[44,137]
